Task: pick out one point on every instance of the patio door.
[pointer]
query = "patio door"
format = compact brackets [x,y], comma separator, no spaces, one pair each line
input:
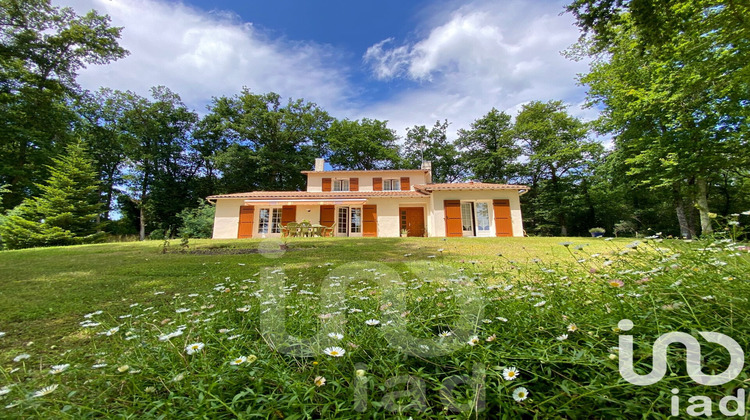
[467,219]
[349,221]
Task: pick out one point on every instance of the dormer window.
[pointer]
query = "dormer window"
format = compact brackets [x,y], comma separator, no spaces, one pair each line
[391,185]
[341,185]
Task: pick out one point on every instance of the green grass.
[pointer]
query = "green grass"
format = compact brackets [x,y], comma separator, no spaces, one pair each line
[424,285]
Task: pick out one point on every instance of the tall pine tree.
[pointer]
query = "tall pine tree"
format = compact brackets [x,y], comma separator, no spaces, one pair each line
[67,210]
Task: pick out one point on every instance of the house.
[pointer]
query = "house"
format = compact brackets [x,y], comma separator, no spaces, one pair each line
[382,203]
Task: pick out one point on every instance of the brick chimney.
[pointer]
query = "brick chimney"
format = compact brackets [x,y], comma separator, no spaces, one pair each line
[320,165]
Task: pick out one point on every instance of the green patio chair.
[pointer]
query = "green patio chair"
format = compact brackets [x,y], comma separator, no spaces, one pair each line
[292,229]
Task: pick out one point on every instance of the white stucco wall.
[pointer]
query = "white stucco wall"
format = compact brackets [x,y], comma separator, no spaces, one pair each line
[227,218]
[438,213]
[315,180]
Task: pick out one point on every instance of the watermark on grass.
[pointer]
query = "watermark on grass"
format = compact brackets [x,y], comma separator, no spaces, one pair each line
[701,405]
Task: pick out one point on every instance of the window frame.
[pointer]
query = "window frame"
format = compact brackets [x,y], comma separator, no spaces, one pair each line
[391,181]
[337,183]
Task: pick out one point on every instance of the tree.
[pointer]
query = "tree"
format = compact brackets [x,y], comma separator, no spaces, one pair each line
[161,162]
[423,144]
[41,49]
[361,145]
[198,222]
[488,150]
[559,158]
[67,210]
[260,144]
[676,104]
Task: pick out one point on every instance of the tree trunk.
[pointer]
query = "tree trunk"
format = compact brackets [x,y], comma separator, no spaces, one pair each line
[680,210]
[702,201]
[142,217]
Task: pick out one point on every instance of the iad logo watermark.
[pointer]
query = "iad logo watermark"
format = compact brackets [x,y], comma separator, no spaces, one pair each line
[700,405]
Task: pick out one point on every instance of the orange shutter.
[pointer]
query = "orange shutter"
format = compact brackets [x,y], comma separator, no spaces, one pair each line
[247,213]
[288,214]
[405,183]
[377,184]
[370,220]
[453,225]
[503,223]
[327,215]
[326,184]
[353,184]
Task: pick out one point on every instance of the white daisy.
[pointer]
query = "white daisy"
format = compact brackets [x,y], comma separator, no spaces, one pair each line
[4,390]
[499,318]
[44,391]
[520,394]
[243,309]
[192,348]
[445,334]
[21,357]
[372,322]
[319,381]
[99,365]
[562,337]
[572,328]
[238,361]
[473,341]
[112,331]
[510,373]
[540,303]
[337,336]
[334,351]
[166,337]
[123,368]
[58,369]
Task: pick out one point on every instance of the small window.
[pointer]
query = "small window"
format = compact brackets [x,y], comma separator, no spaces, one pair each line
[341,185]
[391,185]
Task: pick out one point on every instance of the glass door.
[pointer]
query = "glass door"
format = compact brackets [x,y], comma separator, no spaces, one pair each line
[349,221]
[482,211]
[467,218]
[343,222]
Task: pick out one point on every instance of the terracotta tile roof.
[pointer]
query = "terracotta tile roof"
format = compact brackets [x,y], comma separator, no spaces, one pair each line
[468,186]
[321,195]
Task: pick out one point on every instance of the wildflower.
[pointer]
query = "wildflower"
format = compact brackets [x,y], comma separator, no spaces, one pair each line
[58,369]
[252,358]
[234,337]
[337,336]
[616,283]
[473,341]
[372,322]
[4,390]
[612,356]
[99,366]
[520,394]
[572,328]
[192,348]
[491,338]
[540,303]
[123,368]
[21,357]
[112,331]
[445,334]
[166,337]
[243,309]
[319,381]
[510,374]
[334,351]
[182,310]
[44,391]
[150,389]
[562,337]
[566,244]
[501,319]
[178,378]
[238,361]
[360,373]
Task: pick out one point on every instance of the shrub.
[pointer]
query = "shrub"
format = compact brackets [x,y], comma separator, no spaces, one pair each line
[198,222]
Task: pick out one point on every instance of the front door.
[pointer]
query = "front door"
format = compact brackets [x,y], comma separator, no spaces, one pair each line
[412,220]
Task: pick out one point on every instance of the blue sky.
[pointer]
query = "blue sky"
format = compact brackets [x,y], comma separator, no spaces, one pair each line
[408,62]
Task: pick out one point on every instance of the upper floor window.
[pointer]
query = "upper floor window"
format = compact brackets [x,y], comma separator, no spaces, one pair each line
[341,185]
[391,185]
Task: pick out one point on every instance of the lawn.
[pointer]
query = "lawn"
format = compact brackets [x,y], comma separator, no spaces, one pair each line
[363,328]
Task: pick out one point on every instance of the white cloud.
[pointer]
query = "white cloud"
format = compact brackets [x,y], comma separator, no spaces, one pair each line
[479,56]
[201,54]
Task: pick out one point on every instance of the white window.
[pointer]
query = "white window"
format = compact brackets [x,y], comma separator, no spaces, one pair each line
[391,185]
[269,218]
[483,217]
[341,185]
[356,220]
